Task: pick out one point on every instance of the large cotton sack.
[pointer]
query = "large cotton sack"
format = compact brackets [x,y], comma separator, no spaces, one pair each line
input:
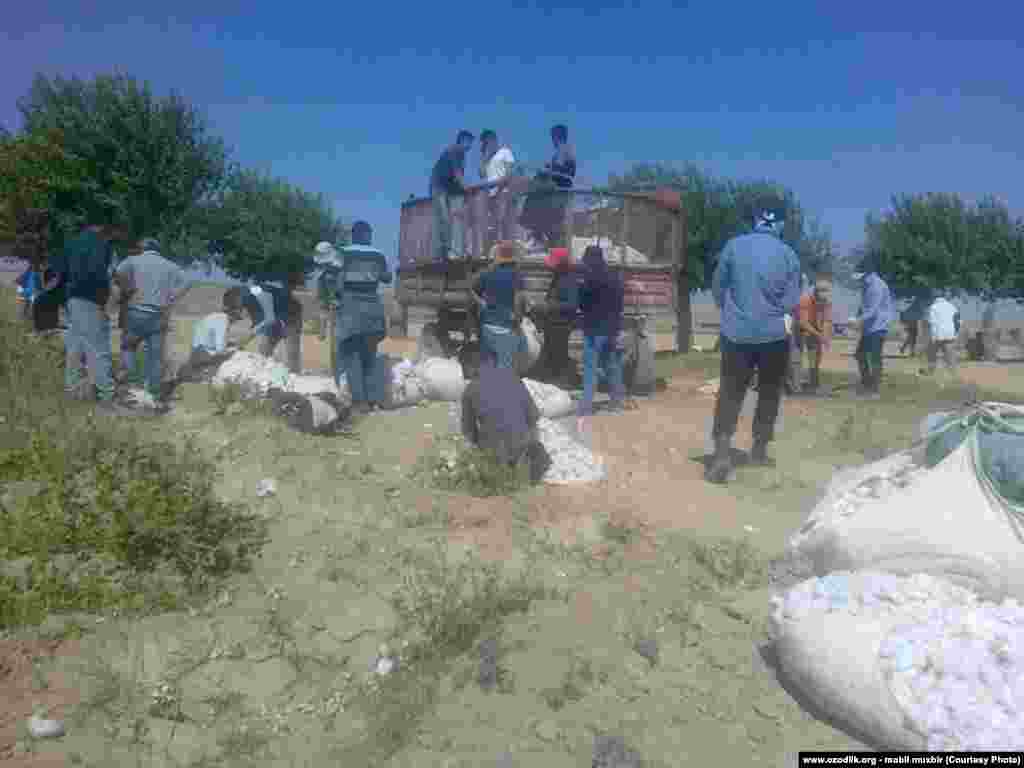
[552,402]
[442,379]
[905,663]
[303,384]
[254,373]
[898,515]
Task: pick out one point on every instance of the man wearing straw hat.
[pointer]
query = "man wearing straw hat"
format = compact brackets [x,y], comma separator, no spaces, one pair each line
[500,293]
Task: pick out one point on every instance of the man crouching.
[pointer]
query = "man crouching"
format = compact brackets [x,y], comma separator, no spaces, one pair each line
[500,416]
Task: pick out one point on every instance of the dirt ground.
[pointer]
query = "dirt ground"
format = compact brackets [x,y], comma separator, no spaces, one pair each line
[263,674]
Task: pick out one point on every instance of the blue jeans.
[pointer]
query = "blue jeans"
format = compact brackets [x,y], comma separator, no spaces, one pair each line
[144,328]
[594,349]
[447,235]
[504,346]
[357,361]
[88,334]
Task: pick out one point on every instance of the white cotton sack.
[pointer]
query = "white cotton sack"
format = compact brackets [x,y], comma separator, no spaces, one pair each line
[897,515]
[254,373]
[404,386]
[905,663]
[302,384]
[442,379]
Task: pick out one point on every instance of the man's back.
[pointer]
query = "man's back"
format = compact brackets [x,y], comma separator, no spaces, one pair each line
[498,411]
[156,280]
[756,283]
[941,320]
[84,262]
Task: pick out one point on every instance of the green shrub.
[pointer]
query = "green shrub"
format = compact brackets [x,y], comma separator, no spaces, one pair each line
[731,562]
[94,514]
[463,468]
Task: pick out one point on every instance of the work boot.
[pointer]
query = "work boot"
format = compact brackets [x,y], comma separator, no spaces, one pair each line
[721,463]
[759,454]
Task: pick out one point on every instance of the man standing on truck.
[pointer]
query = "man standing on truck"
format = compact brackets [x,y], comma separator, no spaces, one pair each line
[361,319]
[756,285]
[448,193]
[496,163]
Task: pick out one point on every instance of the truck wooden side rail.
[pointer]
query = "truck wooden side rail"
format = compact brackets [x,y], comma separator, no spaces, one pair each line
[643,236]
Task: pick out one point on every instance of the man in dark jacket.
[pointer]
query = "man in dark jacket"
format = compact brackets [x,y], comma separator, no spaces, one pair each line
[83,271]
[602,299]
[563,301]
[448,191]
[500,293]
[500,416]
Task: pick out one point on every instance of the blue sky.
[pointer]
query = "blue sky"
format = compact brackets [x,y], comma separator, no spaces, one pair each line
[845,103]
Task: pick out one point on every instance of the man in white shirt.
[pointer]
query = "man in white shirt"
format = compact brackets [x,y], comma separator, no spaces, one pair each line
[944,328]
[496,164]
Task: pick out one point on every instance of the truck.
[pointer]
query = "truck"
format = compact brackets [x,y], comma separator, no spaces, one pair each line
[642,233]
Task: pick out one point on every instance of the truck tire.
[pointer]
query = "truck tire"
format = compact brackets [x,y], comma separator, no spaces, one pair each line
[640,376]
[429,343]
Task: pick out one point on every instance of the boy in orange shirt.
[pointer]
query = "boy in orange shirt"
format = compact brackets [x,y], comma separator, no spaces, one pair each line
[814,325]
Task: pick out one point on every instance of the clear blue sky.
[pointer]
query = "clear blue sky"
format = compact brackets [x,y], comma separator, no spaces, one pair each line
[847,103]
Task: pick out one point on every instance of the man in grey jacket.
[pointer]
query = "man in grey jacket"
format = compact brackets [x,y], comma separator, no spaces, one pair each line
[756,285]
[150,285]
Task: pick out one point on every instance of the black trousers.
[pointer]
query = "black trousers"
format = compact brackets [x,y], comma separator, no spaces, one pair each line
[739,362]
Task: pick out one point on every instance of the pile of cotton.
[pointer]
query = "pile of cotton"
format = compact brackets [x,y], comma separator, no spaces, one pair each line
[552,402]
[909,663]
[571,462]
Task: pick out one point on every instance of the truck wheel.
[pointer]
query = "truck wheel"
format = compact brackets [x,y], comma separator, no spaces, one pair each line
[429,343]
[642,376]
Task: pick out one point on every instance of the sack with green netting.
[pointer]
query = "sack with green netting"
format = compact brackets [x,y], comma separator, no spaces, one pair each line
[952,505]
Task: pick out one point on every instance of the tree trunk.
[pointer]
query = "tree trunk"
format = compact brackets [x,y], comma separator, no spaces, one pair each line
[293,339]
[989,333]
[684,314]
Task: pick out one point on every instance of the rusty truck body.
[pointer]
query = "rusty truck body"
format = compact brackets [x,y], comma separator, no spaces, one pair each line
[643,237]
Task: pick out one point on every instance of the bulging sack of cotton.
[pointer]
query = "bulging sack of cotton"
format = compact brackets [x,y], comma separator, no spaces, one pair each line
[254,373]
[571,462]
[552,402]
[442,379]
[905,663]
[952,506]
[403,385]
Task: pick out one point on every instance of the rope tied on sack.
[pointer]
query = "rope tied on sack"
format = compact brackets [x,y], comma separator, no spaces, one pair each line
[976,420]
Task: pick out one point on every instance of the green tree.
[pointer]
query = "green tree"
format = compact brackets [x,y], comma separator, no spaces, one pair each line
[720,209]
[937,242]
[149,159]
[265,228]
[44,189]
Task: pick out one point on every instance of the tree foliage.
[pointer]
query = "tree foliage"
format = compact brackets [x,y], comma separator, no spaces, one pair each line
[44,190]
[266,228]
[937,242]
[719,209]
[149,160]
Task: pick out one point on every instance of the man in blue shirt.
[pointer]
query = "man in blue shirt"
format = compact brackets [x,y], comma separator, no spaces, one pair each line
[500,293]
[877,312]
[448,192]
[360,318]
[756,285]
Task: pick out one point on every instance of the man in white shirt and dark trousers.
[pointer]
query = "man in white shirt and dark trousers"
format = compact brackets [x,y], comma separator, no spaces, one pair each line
[496,163]
[944,329]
